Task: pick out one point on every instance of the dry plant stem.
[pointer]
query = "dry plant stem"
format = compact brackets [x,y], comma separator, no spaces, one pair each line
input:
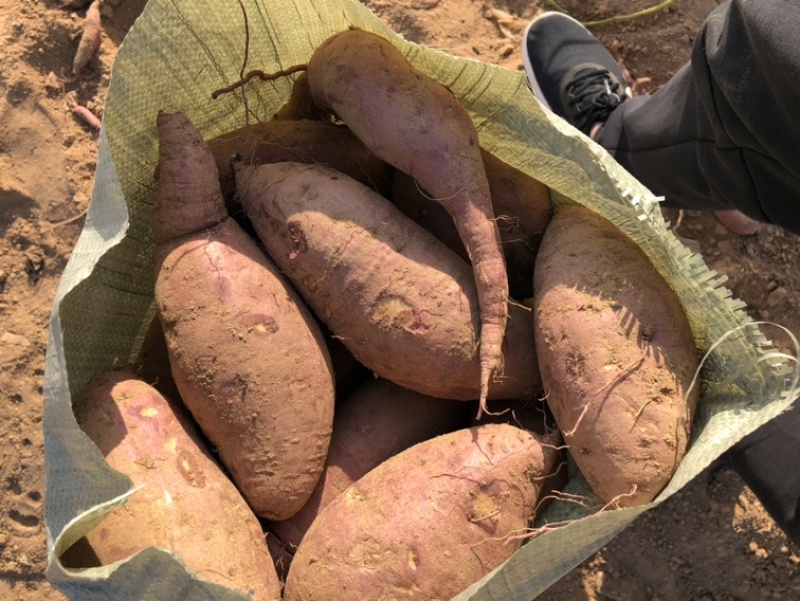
[90,39]
[617,18]
[637,15]
[257,73]
[557,6]
[77,217]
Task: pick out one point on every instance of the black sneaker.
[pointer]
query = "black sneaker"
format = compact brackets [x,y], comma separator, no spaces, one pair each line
[571,71]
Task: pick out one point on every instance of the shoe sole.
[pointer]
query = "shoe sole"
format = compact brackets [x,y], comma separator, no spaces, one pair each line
[532,81]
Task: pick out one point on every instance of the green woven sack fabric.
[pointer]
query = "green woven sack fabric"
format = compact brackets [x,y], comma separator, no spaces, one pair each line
[176,54]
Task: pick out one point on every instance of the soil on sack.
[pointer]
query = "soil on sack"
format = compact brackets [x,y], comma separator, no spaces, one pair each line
[712,541]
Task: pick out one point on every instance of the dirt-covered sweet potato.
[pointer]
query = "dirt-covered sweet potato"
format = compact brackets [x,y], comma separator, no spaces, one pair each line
[184,504]
[616,354]
[376,422]
[403,303]
[246,354]
[426,523]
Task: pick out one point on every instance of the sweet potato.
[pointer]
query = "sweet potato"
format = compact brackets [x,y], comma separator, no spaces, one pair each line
[301,141]
[521,206]
[186,504]
[417,125]
[246,355]
[426,523]
[403,303]
[90,38]
[617,356]
[376,422]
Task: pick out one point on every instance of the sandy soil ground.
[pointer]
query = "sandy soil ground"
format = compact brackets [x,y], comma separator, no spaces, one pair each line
[711,542]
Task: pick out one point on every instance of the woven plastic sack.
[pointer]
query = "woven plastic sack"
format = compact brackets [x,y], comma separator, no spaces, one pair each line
[175,55]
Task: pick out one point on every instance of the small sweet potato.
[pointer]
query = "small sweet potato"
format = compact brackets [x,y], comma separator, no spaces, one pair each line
[246,354]
[186,504]
[617,356]
[376,422]
[90,38]
[404,304]
[426,523]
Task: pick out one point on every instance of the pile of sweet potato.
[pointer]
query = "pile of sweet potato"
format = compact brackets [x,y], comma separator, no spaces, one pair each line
[343,396]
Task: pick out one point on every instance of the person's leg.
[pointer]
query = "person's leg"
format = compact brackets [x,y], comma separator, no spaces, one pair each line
[768,461]
[722,133]
[656,139]
[572,73]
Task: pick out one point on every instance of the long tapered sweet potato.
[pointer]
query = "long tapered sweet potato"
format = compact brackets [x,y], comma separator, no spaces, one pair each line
[185,503]
[403,303]
[426,523]
[617,356]
[247,356]
[522,211]
[416,124]
[376,422]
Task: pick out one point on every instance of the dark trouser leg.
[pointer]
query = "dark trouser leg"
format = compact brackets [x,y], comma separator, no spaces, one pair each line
[724,132]
[768,460]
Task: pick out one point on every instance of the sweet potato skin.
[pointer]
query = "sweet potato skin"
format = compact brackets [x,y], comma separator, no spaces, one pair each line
[616,354]
[249,362]
[379,420]
[426,523]
[402,303]
[246,355]
[186,503]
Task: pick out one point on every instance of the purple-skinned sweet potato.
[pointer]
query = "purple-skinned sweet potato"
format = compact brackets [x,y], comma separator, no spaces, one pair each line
[246,355]
[185,503]
[427,522]
[417,125]
[301,141]
[617,356]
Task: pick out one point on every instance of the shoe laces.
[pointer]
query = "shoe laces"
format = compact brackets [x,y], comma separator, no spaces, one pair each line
[593,94]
